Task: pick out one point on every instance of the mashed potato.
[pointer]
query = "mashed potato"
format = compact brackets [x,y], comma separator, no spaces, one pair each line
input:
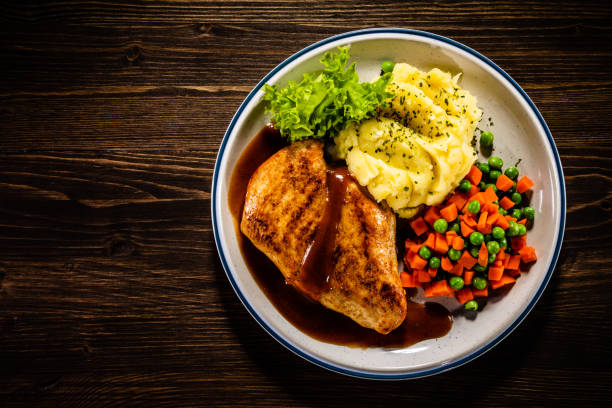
[418,150]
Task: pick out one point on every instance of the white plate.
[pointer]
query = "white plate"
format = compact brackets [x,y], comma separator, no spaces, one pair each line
[520,132]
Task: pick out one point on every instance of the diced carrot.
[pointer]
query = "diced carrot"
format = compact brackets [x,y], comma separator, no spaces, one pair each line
[431,240]
[428,290]
[414,249]
[467,260]
[407,280]
[506,259]
[446,264]
[457,269]
[450,237]
[459,199]
[514,262]
[528,254]
[501,255]
[418,262]
[441,244]
[422,275]
[441,288]
[432,271]
[449,213]
[490,195]
[474,175]
[468,276]
[492,218]
[499,264]
[458,243]
[519,242]
[466,230]
[509,218]
[502,222]
[495,272]
[483,255]
[504,183]
[418,226]
[482,221]
[464,295]
[408,259]
[473,190]
[513,272]
[470,220]
[490,208]
[432,215]
[503,280]
[523,221]
[524,184]
[506,203]
[408,243]
[480,292]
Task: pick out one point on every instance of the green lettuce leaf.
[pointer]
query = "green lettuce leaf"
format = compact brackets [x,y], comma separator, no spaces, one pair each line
[324,103]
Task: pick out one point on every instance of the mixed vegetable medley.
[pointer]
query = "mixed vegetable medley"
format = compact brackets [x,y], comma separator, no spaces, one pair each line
[476,239]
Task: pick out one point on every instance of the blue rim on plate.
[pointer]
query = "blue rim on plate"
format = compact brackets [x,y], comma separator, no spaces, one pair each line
[415,374]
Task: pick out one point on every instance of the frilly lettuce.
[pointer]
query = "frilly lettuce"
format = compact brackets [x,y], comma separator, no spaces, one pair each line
[324,103]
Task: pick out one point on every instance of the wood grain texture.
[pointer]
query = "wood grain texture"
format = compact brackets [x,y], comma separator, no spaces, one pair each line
[111,291]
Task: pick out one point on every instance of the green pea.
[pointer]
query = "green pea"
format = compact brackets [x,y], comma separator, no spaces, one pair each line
[454,227]
[471,305]
[522,230]
[516,198]
[494,175]
[516,213]
[387,66]
[425,252]
[481,185]
[502,211]
[512,189]
[498,233]
[440,225]
[503,242]
[496,163]
[484,167]
[529,213]
[513,229]
[476,238]
[456,282]
[465,186]
[496,202]
[511,172]
[473,207]
[453,254]
[474,251]
[492,258]
[479,268]
[486,139]
[479,283]
[434,262]
[493,247]
[487,238]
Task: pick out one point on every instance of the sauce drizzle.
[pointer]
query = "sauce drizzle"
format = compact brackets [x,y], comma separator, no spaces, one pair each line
[317,262]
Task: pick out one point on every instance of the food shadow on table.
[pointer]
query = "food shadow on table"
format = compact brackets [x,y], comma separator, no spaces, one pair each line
[476,380]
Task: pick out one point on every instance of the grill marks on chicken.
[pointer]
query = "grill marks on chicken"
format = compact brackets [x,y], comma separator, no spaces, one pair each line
[329,239]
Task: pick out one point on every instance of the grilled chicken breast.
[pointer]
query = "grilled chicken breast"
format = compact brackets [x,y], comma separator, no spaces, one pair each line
[289,217]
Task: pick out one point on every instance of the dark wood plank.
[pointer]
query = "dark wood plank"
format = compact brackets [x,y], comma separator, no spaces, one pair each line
[111,291]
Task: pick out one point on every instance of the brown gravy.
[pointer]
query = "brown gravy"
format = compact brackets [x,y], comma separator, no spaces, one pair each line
[422,321]
[315,273]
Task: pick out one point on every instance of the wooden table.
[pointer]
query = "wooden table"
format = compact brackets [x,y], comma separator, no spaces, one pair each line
[111,291]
